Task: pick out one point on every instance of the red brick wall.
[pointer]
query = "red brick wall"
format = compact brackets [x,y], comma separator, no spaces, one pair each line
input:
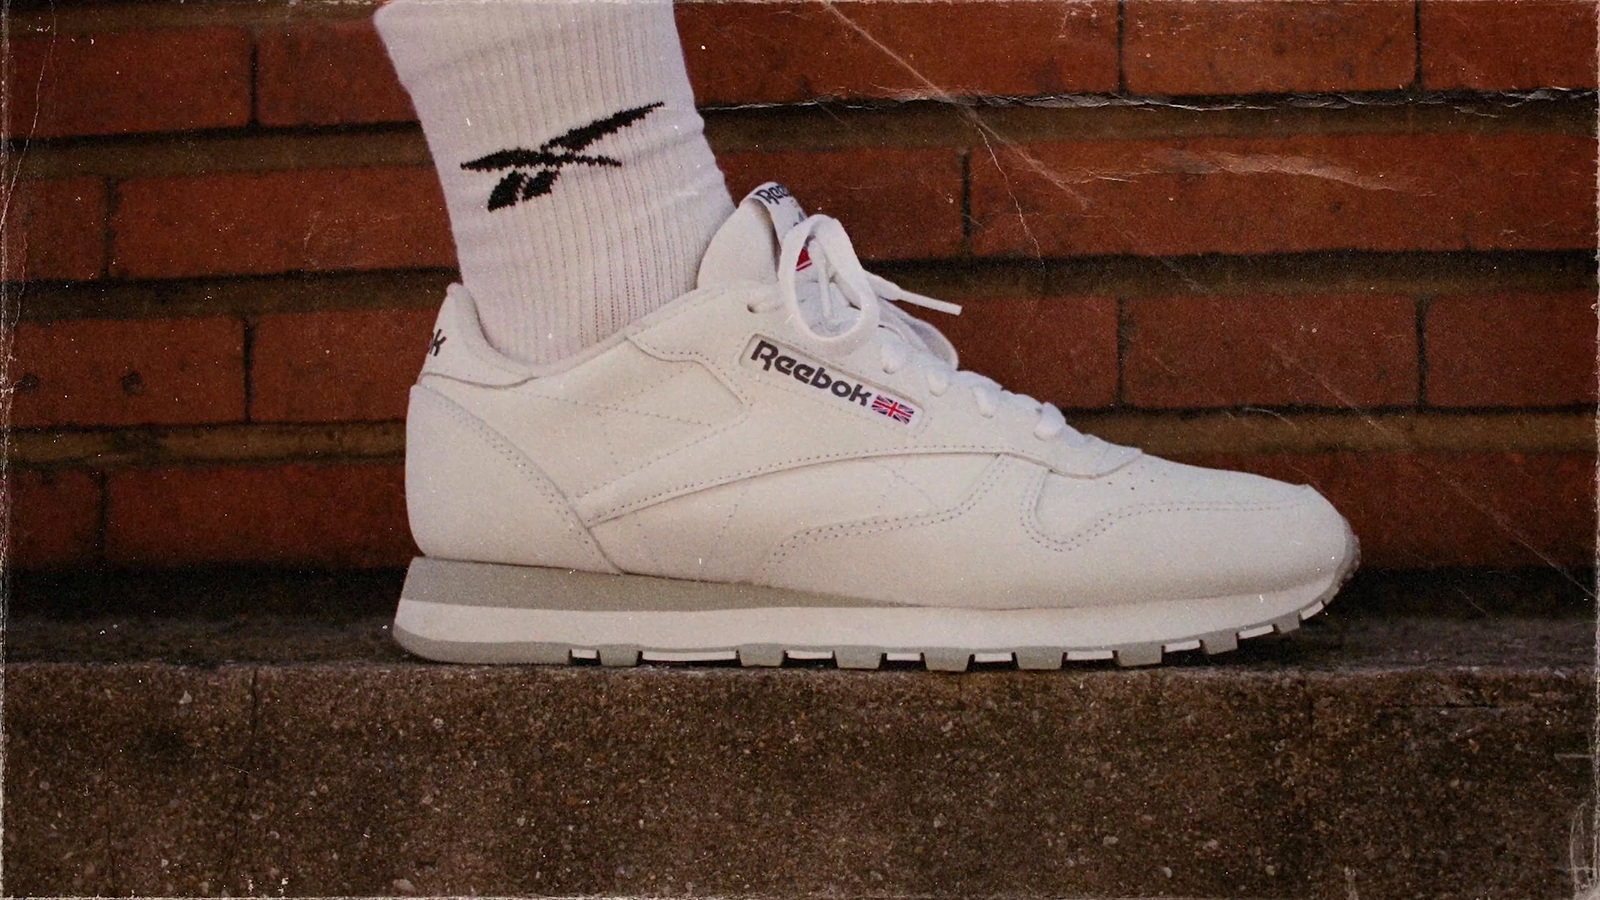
[1340,242]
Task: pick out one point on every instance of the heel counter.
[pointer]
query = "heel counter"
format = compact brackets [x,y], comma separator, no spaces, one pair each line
[471,495]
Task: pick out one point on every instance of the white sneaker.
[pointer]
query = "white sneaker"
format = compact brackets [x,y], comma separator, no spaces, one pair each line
[781,463]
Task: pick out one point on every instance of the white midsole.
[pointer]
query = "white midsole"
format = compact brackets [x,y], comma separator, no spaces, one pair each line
[883,627]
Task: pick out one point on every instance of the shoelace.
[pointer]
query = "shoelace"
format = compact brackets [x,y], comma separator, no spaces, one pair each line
[843,283]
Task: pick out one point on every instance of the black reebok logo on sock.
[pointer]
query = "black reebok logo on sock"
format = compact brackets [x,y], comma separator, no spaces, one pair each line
[534,172]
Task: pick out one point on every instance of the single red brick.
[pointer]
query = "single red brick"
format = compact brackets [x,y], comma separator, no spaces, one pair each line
[337,366]
[1058,349]
[55,518]
[327,515]
[896,204]
[133,372]
[1284,195]
[1512,350]
[54,230]
[1230,47]
[1501,46]
[269,222]
[1451,509]
[132,81]
[327,73]
[1351,351]
[790,52]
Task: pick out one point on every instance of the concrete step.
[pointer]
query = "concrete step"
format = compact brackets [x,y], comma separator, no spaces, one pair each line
[1368,755]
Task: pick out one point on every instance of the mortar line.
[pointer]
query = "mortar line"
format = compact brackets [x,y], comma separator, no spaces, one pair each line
[247,364]
[1307,273]
[1424,303]
[1416,38]
[1122,52]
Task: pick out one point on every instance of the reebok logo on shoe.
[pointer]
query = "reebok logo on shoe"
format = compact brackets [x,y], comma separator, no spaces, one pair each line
[770,357]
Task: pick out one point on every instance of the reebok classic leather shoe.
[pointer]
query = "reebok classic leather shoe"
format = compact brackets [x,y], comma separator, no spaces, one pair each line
[784,463]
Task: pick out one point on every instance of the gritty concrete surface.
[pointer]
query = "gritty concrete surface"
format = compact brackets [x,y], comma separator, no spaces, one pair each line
[801,783]
[1388,757]
[124,778]
[1466,785]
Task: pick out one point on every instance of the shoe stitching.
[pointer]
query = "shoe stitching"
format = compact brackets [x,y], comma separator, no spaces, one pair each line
[604,424]
[716,429]
[727,521]
[655,385]
[793,463]
[1103,522]
[609,408]
[525,467]
[642,341]
[668,313]
[878,525]
[624,409]
[896,475]
[722,375]
[623,507]
[884,487]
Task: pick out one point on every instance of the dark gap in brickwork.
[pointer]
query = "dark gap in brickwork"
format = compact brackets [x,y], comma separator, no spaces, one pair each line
[224,444]
[107,235]
[208,592]
[1416,34]
[102,519]
[247,362]
[1124,339]
[966,204]
[1289,273]
[241,295]
[838,125]
[246,593]
[122,15]
[1293,273]
[1330,102]
[1122,65]
[1423,303]
[255,79]
[1292,409]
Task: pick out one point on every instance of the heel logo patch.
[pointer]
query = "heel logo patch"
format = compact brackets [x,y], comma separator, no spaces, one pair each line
[533,173]
[781,362]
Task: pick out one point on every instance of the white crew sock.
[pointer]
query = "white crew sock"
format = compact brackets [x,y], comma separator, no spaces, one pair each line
[560,265]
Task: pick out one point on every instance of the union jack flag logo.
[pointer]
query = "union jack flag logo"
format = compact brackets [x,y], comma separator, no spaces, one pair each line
[894,409]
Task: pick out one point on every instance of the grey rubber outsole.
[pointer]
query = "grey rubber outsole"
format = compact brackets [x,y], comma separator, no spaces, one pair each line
[939,659]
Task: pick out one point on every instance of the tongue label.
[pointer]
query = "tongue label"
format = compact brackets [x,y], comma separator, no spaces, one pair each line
[780,205]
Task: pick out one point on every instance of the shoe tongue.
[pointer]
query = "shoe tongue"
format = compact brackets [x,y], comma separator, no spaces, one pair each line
[745,248]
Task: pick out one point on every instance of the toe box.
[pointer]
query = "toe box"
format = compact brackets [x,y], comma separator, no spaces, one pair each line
[1183,531]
